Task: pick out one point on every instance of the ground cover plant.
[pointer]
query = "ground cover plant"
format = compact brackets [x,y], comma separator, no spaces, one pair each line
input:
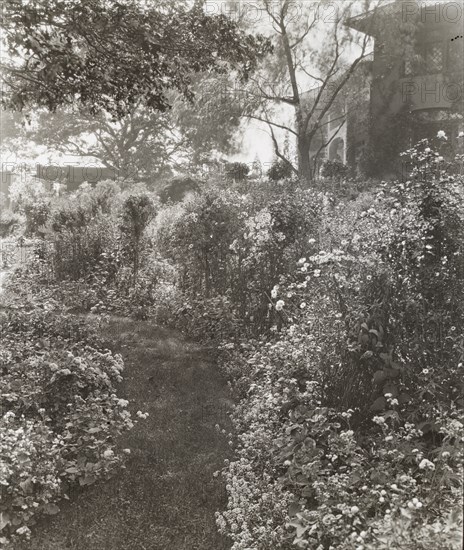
[60,414]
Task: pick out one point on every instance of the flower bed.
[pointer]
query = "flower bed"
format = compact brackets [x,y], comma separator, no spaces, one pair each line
[349,420]
[60,414]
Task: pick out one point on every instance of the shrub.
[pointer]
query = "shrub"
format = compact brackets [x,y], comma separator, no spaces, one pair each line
[59,413]
[237,171]
[280,170]
[177,189]
[231,247]
[136,213]
[37,214]
[349,425]
[334,169]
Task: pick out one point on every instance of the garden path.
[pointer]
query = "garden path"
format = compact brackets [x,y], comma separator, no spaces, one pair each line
[166,497]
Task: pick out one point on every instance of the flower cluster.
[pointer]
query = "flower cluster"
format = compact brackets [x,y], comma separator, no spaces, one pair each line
[60,413]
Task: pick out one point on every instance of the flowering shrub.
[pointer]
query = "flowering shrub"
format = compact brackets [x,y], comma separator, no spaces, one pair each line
[228,248]
[59,413]
[349,422]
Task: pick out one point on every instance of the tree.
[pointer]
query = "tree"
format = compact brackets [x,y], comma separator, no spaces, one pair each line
[111,55]
[143,144]
[313,50]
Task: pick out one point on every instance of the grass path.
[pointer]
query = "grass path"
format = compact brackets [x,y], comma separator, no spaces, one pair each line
[166,497]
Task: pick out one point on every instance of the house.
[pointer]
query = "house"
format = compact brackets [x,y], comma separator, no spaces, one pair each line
[72,176]
[411,87]
[343,133]
[417,75]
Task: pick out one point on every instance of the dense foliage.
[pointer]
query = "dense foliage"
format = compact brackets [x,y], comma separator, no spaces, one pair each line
[60,414]
[280,170]
[339,324]
[350,425]
[113,55]
[228,248]
[334,169]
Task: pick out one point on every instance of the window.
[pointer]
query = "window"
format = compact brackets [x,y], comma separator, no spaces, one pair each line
[433,57]
[427,60]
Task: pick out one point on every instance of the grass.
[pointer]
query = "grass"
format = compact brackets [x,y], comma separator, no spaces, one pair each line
[167,496]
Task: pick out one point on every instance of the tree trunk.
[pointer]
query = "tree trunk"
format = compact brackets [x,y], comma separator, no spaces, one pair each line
[304,164]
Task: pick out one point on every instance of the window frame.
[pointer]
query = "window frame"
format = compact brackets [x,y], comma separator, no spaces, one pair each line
[430,44]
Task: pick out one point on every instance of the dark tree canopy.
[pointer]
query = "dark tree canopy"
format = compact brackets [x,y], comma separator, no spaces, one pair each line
[105,54]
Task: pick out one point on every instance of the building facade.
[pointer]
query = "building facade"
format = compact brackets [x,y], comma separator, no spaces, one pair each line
[417,79]
[411,87]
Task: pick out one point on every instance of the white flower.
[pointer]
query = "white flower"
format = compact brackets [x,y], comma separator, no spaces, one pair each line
[126,451]
[441,135]
[379,420]
[354,509]
[108,453]
[427,149]
[279,305]
[426,465]
[312,241]
[461,134]
[274,293]
[303,305]
[389,438]
[302,261]
[140,414]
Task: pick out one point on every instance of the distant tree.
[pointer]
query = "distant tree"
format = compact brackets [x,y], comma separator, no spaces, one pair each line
[143,144]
